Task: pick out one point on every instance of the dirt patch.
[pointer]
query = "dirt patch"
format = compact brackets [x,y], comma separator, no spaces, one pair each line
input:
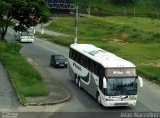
[121,38]
[119,41]
[124,36]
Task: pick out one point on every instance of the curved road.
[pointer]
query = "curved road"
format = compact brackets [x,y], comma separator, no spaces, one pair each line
[40,51]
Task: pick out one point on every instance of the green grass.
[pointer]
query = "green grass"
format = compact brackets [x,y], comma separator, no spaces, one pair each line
[139,23]
[27,80]
[150,72]
[110,28]
[105,8]
[66,41]
[140,54]
[140,47]
[145,56]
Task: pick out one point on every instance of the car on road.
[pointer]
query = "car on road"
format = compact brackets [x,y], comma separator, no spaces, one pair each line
[24,36]
[58,60]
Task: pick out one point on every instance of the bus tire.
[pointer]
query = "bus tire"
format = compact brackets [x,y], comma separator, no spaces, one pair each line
[76,79]
[98,98]
[79,83]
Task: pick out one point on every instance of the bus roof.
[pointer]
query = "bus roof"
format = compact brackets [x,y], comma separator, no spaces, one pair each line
[106,59]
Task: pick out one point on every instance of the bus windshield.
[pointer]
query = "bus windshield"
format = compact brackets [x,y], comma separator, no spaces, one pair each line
[121,86]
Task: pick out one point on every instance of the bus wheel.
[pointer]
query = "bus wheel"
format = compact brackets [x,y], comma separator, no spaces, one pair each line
[79,83]
[76,79]
[98,98]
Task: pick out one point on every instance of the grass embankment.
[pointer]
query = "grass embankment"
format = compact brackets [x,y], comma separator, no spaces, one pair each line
[109,28]
[140,43]
[149,8]
[26,79]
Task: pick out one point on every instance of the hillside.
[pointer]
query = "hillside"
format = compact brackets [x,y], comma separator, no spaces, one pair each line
[149,8]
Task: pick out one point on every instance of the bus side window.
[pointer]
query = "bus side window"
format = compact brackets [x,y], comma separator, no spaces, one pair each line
[90,65]
[79,58]
[101,83]
[82,60]
[73,54]
[86,62]
[76,56]
[101,71]
[93,67]
[96,69]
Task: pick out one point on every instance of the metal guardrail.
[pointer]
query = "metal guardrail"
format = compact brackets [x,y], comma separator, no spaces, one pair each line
[62,6]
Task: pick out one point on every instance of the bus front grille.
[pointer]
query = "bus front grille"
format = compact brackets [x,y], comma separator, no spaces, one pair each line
[121,104]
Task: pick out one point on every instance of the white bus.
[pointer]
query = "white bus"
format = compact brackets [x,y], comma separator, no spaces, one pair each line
[111,80]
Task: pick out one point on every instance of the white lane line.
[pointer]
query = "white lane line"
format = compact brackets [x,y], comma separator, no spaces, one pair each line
[44,47]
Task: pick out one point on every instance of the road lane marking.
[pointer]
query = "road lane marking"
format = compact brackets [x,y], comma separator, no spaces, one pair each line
[43,46]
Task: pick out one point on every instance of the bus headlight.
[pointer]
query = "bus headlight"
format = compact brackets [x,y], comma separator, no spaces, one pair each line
[133,98]
[109,99]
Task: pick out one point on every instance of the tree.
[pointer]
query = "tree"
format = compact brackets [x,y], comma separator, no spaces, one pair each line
[89,4]
[4,17]
[27,12]
[156,5]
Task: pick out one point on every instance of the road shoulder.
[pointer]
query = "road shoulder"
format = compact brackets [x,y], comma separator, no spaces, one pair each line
[57,92]
[8,98]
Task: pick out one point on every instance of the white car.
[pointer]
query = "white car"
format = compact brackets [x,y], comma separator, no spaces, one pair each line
[24,36]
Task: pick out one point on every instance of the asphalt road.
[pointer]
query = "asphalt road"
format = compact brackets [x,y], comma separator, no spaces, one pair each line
[40,51]
[8,99]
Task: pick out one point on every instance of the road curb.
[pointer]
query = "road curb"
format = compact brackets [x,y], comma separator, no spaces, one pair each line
[18,95]
[42,103]
[50,103]
[36,103]
[13,85]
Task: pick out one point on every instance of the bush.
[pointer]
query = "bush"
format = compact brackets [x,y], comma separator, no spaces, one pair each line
[2,45]
[26,79]
[13,47]
[156,34]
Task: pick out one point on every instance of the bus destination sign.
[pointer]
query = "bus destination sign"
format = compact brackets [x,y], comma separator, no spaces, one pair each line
[126,72]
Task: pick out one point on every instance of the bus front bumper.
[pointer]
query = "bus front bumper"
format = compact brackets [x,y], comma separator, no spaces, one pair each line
[118,103]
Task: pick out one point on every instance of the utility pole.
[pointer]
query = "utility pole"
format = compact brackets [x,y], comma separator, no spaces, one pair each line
[76,24]
[42,30]
[134,8]
[58,5]
[89,9]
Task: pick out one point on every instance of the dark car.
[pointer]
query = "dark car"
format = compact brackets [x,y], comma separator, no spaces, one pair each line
[58,61]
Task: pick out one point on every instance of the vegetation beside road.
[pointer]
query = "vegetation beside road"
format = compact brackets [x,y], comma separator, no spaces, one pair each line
[123,37]
[128,29]
[149,8]
[27,81]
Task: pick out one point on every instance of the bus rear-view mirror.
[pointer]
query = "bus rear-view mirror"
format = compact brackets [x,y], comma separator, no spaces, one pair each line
[140,81]
[104,83]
